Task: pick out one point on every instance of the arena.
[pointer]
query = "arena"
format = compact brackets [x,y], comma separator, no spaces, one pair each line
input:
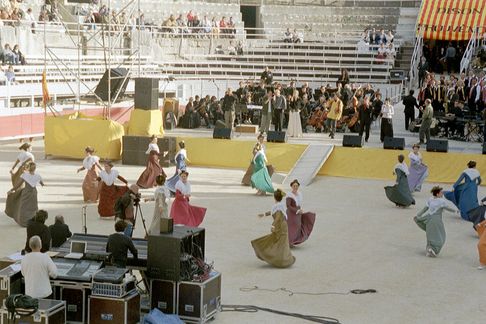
[327,95]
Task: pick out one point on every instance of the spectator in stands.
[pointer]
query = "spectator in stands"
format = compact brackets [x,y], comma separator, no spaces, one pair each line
[297,37]
[3,78]
[10,56]
[196,23]
[231,48]
[190,18]
[19,54]
[382,37]
[141,21]
[214,27]
[10,74]
[390,51]
[222,26]
[389,37]
[59,231]
[288,36]
[229,103]
[37,269]
[231,27]
[43,16]
[206,25]
[380,57]
[36,226]
[30,19]
[239,48]
[267,76]
[373,37]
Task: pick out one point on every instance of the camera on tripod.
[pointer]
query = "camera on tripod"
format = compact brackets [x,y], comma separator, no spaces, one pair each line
[136,198]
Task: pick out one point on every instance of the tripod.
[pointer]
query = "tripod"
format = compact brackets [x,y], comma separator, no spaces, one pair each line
[138,210]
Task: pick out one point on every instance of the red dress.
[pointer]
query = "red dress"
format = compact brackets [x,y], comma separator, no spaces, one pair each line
[153,169]
[108,197]
[185,214]
[300,225]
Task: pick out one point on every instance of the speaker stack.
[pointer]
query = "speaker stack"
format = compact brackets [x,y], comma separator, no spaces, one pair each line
[276,137]
[353,141]
[437,145]
[147,93]
[134,148]
[118,83]
[394,143]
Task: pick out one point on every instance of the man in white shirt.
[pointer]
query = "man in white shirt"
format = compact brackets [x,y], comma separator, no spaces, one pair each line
[37,269]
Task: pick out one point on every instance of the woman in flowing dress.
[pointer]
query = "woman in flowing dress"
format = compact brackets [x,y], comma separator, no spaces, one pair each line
[464,192]
[260,178]
[23,159]
[246,181]
[294,128]
[91,163]
[153,169]
[300,224]
[109,192]
[400,192]
[274,248]
[429,219]
[21,202]
[180,160]
[182,212]
[418,170]
[161,208]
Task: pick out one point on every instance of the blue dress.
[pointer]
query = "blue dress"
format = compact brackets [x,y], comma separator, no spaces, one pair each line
[464,194]
[180,160]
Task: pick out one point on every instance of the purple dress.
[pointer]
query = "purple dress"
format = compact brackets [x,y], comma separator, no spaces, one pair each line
[418,172]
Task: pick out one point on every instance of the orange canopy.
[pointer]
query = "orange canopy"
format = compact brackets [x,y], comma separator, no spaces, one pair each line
[451,19]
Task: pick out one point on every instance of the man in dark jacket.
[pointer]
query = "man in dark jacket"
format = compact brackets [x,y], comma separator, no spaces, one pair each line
[267,76]
[410,104]
[118,245]
[365,112]
[229,102]
[36,226]
[59,231]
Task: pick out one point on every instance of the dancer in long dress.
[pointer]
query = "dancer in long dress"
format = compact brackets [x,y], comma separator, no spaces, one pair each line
[22,200]
[91,163]
[23,159]
[153,169]
[294,128]
[400,192]
[109,192]
[180,160]
[300,224]
[274,248]
[260,179]
[418,170]
[161,208]
[430,220]
[246,181]
[464,192]
[181,211]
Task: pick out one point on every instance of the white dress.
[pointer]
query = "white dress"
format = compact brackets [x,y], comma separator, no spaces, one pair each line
[161,208]
[294,128]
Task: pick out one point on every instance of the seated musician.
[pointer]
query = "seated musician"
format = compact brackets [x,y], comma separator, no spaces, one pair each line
[118,245]
[215,110]
[203,110]
[319,115]
[454,125]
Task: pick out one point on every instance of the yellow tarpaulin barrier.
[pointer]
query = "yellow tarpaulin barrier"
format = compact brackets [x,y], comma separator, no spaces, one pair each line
[451,19]
[145,123]
[373,163]
[68,135]
[238,154]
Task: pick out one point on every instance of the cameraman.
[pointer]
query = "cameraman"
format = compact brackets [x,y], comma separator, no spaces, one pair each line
[124,208]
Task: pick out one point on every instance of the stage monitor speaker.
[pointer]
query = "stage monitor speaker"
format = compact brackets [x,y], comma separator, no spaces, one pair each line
[394,143]
[118,83]
[222,133]
[276,137]
[353,141]
[437,145]
[220,124]
[147,93]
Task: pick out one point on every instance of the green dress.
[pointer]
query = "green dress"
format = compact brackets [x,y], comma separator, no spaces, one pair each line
[261,178]
[430,220]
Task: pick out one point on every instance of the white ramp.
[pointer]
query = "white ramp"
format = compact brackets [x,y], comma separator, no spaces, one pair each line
[309,163]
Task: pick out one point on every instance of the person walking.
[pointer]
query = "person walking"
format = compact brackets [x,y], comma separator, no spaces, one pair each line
[427,114]
[229,103]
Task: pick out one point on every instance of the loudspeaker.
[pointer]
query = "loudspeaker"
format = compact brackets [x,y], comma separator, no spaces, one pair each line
[134,148]
[220,124]
[166,253]
[147,93]
[223,133]
[437,146]
[394,143]
[166,225]
[484,147]
[353,141]
[118,83]
[276,137]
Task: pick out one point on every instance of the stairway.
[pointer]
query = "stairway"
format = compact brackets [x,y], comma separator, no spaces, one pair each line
[309,163]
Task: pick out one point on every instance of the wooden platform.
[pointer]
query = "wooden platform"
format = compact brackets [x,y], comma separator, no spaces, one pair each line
[251,129]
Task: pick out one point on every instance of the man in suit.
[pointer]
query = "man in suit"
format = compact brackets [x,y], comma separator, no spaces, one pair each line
[118,245]
[280,105]
[474,96]
[229,103]
[365,112]
[59,231]
[423,68]
[267,76]
[410,104]
[267,112]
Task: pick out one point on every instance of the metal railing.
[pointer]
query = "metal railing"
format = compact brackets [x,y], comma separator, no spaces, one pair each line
[473,44]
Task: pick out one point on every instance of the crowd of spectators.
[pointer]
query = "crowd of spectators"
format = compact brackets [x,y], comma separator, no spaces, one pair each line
[380,42]
[16,13]
[192,24]
[293,37]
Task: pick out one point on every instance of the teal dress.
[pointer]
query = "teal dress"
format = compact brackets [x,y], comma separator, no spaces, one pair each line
[261,178]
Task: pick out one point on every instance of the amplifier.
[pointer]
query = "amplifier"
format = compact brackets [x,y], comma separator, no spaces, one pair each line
[394,143]
[113,290]
[353,141]
[104,310]
[110,274]
[437,145]
[277,137]
[163,295]
[166,251]
[199,301]
[50,312]
[10,282]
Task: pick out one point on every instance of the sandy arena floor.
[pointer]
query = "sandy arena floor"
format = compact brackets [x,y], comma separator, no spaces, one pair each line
[360,240]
